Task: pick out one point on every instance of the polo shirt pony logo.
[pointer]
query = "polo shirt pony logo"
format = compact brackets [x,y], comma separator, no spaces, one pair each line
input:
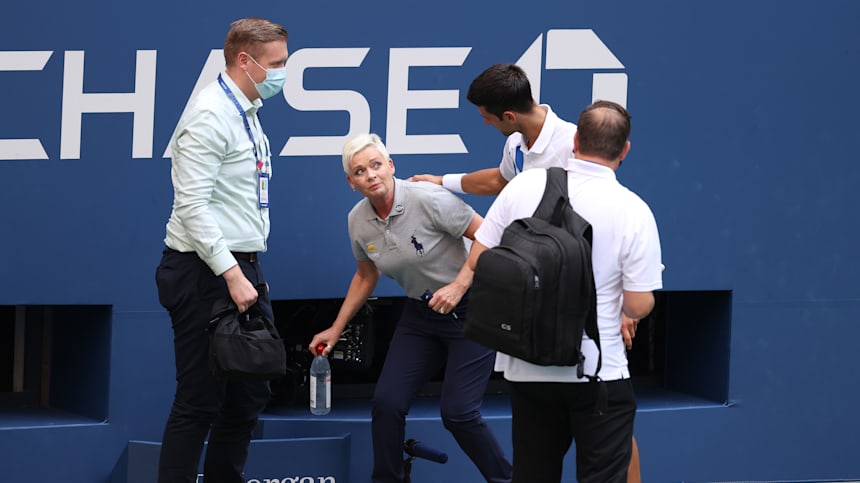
[419,248]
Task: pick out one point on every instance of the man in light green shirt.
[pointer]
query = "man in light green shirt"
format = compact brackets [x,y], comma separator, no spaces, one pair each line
[221,169]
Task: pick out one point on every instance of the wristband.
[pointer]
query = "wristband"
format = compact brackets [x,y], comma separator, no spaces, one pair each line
[453,182]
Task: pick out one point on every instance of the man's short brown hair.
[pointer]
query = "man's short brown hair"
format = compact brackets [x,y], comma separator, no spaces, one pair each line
[246,34]
[603,129]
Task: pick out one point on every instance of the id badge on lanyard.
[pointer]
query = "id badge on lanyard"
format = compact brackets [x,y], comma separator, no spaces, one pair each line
[263,174]
[263,189]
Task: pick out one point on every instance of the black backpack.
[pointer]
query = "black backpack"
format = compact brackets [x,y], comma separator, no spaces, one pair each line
[533,295]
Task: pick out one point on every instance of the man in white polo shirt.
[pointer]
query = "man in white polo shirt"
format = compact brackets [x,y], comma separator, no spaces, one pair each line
[551,407]
[536,136]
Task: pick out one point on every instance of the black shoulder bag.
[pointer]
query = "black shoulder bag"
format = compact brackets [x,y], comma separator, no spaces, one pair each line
[244,346]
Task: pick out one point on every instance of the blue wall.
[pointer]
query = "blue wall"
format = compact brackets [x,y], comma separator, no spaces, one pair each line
[744,115]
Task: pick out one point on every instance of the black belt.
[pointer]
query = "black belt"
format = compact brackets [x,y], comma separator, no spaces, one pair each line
[247,256]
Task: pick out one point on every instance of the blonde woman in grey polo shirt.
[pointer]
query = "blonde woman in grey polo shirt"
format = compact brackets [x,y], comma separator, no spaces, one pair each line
[413,233]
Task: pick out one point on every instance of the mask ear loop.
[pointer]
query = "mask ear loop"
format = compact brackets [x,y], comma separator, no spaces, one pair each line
[248,74]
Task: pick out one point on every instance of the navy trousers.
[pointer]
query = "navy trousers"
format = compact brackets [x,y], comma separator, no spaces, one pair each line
[203,405]
[423,342]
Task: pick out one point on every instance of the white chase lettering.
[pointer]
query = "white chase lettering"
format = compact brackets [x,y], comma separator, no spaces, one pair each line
[23,61]
[141,102]
[401,99]
[331,100]
[564,49]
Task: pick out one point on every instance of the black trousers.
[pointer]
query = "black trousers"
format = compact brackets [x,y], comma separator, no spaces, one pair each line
[203,405]
[548,416]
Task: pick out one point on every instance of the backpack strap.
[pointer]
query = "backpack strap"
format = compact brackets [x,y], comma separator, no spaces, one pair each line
[552,209]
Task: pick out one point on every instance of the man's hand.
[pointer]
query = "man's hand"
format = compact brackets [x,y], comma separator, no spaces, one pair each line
[242,291]
[628,330]
[426,177]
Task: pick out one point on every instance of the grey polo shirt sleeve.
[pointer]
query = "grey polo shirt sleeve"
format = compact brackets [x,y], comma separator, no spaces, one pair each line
[352,220]
[450,214]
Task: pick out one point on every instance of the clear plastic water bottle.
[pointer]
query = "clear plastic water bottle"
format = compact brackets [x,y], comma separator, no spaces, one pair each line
[320,383]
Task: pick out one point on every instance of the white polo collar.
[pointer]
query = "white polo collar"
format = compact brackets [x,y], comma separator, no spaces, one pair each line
[545,136]
[590,168]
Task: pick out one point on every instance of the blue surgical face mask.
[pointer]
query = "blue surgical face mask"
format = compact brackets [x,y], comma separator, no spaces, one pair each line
[274,82]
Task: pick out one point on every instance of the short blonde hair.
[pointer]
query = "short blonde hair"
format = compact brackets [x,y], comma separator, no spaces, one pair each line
[358,143]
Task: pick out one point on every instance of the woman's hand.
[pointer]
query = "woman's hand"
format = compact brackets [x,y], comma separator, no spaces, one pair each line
[446,298]
[329,337]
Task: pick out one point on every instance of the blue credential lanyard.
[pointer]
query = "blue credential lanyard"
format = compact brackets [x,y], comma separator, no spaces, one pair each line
[263,185]
[247,125]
